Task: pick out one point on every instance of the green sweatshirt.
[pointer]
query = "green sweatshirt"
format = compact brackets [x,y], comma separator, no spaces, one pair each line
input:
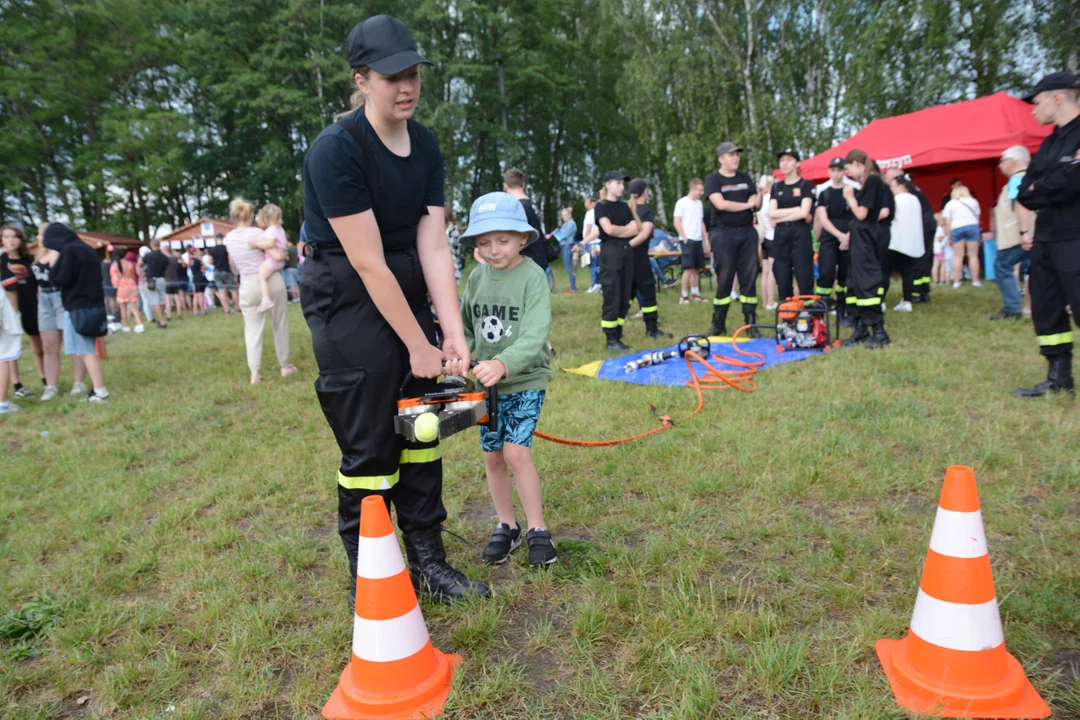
[507,317]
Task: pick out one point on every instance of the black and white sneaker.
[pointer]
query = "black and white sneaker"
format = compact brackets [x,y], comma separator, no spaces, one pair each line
[504,541]
[541,548]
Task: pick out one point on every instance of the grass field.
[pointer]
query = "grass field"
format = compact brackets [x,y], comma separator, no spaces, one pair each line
[173,554]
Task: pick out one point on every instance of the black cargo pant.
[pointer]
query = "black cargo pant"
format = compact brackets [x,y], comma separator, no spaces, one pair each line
[735,250]
[925,264]
[362,364]
[832,269]
[644,284]
[1055,283]
[617,280]
[903,264]
[793,252]
[867,247]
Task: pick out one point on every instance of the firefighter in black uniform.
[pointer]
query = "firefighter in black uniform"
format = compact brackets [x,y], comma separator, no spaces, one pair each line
[373,206]
[871,207]
[833,218]
[732,200]
[1051,187]
[618,225]
[923,265]
[791,211]
[644,285]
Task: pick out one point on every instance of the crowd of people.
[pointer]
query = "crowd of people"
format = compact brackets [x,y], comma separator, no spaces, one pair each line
[57,288]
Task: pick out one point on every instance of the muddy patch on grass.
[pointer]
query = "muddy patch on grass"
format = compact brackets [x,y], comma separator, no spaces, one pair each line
[78,705]
[478,512]
[1065,662]
[915,504]
[270,710]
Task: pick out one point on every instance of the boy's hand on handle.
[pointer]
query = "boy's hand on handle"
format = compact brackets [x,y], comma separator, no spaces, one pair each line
[426,361]
[456,351]
[489,372]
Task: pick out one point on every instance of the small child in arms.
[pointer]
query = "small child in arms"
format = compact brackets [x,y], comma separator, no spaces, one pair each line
[506,312]
[276,246]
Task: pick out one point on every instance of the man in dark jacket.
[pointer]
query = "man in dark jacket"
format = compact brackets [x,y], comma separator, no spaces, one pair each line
[76,271]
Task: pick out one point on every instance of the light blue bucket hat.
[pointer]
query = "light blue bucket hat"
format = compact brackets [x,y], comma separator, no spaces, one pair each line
[498,211]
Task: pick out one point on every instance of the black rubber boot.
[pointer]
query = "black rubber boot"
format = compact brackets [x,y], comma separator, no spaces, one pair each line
[719,320]
[880,338]
[861,334]
[431,575]
[1059,378]
[751,320]
[652,329]
[614,342]
[844,315]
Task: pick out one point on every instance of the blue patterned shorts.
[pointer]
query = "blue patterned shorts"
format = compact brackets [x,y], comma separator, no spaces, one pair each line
[518,415]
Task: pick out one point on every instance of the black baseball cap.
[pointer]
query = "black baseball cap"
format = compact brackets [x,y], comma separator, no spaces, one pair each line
[836,162]
[384,44]
[616,175]
[1063,80]
[727,147]
[638,185]
[788,151]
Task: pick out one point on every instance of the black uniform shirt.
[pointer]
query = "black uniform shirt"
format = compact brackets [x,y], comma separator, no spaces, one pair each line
[536,249]
[836,207]
[791,196]
[738,188]
[875,195]
[335,184]
[646,215]
[617,212]
[1052,185]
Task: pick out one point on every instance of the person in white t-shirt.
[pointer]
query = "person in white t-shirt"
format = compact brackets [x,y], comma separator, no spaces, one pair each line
[765,233]
[590,238]
[961,216]
[690,227]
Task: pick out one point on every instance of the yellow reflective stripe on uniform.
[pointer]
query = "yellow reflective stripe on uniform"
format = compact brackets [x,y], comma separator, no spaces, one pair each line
[651,308]
[881,291]
[416,456]
[367,482]
[747,300]
[921,281]
[1059,339]
[620,322]
[841,288]
[868,302]
[851,300]
[722,301]
[822,290]
[608,324]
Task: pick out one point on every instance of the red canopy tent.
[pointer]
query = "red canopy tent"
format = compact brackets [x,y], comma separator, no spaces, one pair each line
[963,140]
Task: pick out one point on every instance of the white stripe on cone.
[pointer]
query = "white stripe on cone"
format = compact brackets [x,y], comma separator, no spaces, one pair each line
[379,557]
[958,534]
[389,640]
[957,626]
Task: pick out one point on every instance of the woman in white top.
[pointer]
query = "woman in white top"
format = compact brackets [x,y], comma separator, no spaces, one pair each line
[765,234]
[906,242]
[961,216]
[248,259]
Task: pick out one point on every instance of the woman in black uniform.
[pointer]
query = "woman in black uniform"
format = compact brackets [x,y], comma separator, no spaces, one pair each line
[791,211]
[871,207]
[644,280]
[618,224]
[376,248]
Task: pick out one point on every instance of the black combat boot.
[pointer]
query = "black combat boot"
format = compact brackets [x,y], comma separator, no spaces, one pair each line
[614,342]
[861,334]
[719,320]
[1059,378]
[751,320]
[652,329]
[880,338]
[431,575]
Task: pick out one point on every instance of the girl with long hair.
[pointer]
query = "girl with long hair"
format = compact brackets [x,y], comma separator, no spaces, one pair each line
[869,243]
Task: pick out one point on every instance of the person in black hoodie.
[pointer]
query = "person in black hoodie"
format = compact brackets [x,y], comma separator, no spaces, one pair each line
[76,270]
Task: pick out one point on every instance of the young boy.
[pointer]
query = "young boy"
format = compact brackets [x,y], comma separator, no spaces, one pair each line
[507,316]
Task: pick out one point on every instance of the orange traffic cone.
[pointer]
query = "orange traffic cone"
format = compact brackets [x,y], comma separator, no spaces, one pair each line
[953,662]
[395,673]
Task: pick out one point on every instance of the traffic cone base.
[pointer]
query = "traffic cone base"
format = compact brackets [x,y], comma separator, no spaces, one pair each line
[953,662]
[1013,697]
[424,700]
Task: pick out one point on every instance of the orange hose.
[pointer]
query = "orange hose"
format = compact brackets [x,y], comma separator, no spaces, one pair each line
[741,379]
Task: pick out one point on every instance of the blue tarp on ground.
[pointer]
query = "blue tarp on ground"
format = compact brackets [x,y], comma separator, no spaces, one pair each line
[675,373]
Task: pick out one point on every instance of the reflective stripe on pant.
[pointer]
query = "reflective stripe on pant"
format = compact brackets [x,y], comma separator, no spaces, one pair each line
[616,279]
[925,264]
[735,251]
[864,283]
[362,364]
[832,268]
[644,285]
[793,252]
[1055,283]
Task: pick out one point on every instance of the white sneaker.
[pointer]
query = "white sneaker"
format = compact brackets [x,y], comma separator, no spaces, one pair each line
[770,306]
[127,329]
[115,327]
[903,306]
[49,394]
[139,328]
[734,295]
[98,397]
[956,286]
[639,315]
[6,407]
[23,393]
[79,389]
[976,284]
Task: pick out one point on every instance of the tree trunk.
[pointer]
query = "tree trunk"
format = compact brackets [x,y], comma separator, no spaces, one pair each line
[555,154]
